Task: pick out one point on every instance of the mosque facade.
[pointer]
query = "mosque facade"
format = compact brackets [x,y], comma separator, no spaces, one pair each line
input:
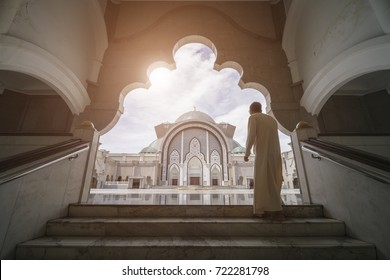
[192,151]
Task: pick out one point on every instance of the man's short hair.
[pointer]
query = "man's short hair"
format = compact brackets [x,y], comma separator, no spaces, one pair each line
[255,107]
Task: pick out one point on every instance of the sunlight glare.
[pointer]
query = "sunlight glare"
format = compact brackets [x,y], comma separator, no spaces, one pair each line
[160,76]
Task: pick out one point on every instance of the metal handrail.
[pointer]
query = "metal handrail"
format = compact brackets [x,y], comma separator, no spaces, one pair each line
[371,165]
[19,165]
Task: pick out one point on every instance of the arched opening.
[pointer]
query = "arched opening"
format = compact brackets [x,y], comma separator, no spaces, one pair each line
[174,175]
[366,57]
[52,72]
[195,172]
[215,175]
[196,85]
[359,106]
[31,106]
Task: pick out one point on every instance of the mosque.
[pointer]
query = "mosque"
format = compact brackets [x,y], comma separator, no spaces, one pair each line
[192,151]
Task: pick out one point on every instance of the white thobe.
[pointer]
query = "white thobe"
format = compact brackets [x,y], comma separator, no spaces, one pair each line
[263,135]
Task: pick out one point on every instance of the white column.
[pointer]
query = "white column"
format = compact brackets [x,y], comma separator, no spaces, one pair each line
[154,177]
[181,168]
[206,199]
[207,169]
[207,148]
[182,148]
[182,198]
[181,179]
[233,172]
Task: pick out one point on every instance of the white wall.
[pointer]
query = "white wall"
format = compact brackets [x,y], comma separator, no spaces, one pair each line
[72,31]
[350,196]
[329,43]
[27,203]
[330,27]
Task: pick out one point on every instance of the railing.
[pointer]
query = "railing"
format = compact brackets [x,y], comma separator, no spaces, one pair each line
[371,165]
[353,134]
[22,164]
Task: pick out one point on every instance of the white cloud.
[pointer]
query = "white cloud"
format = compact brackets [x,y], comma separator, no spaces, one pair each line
[194,82]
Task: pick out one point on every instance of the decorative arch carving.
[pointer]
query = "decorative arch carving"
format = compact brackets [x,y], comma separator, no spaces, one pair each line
[174,157]
[194,152]
[215,158]
[194,147]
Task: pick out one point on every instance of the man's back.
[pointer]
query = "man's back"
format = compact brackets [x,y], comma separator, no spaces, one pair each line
[263,133]
[266,133]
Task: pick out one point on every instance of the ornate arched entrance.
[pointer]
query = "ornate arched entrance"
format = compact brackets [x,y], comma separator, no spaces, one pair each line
[195,172]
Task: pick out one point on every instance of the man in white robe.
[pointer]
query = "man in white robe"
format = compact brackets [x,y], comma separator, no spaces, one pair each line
[263,135]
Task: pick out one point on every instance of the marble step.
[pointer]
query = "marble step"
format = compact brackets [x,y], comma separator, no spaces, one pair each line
[191,248]
[194,227]
[101,210]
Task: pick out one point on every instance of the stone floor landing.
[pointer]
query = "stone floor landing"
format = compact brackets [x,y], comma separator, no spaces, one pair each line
[192,232]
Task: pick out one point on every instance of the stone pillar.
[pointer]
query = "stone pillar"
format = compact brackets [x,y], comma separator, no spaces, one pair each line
[206,199]
[207,148]
[142,183]
[87,132]
[182,148]
[303,131]
[181,174]
[155,174]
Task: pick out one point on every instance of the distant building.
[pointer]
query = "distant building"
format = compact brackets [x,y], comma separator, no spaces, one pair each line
[192,151]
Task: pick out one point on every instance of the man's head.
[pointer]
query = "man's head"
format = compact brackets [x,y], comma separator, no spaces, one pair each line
[255,107]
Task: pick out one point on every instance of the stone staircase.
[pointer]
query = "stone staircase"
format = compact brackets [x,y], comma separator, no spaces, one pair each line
[192,232]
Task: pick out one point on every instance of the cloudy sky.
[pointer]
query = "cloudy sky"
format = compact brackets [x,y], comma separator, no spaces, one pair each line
[193,84]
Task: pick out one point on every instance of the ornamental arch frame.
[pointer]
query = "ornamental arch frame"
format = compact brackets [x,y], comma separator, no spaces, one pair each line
[174,131]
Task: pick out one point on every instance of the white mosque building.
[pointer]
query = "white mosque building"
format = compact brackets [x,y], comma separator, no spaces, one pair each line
[192,151]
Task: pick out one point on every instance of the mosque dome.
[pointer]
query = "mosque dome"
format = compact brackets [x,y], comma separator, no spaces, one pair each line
[236,144]
[237,148]
[152,148]
[195,115]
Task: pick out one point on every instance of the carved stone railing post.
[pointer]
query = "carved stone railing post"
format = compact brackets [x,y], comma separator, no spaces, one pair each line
[303,131]
[87,132]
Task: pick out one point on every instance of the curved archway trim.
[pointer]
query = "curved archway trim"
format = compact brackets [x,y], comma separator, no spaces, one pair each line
[187,40]
[21,56]
[369,56]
